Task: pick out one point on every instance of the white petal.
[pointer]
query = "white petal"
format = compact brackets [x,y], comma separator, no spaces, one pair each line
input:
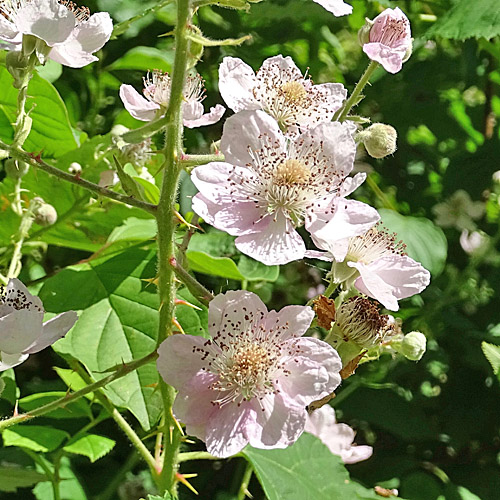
[294,320]
[16,285]
[276,242]
[234,308]
[10,360]
[244,130]
[350,184]
[19,329]
[139,107]
[275,67]
[336,7]
[210,118]
[53,330]
[236,81]
[8,30]
[46,19]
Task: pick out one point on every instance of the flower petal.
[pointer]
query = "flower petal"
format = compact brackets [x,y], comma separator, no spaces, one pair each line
[139,107]
[210,118]
[293,320]
[53,330]
[232,310]
[336,7]
[8,31]
[236,81]
[247,130]
[19,329]
[274,242]
[45,19]
[10,360]
[390,58]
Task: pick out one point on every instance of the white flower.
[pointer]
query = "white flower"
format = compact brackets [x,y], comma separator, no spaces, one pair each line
[337,437]
[72,33]
[157,96]
[280,90]
[22,331]
[458,211]
[473,242]
[336,7]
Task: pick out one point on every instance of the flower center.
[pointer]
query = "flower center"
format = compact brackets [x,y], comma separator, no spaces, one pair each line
[291,172]
[81,14]
[293,92]
[17,300]
[157,87]
[393,31]
[373,245]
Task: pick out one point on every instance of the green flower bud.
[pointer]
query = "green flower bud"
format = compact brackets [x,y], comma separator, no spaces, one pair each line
[413,346]
[364,32]
[15,169]
[44,214]
[379,140]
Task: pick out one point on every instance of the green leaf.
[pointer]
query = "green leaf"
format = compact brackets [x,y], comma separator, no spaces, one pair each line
[76,409]
[426,242]
[34,437]
[72,380]
[118,323]
[253,270]
[51,130]
[2,386]
[492,354]
[10,391]
[92,446]
[224,267]
[134,229]
[145,58]
[466,20]
[12,478]
[305,470]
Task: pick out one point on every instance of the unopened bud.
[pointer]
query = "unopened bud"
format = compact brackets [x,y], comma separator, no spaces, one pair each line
[413,346]
[379,140]
[15,169]
[364,32]
[75,168]
[44,214]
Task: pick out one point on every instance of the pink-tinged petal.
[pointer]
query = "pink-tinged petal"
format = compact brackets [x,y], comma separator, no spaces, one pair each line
[233,311]
[236,81]
[329,98]
[209,118]
[45,19]
[292,320]
[336,7]
[281,422]
[237,218]
[350,184]
[314,254]
[226,432]
[180,359]
[8,30]
[276,242]
[390,279]
[70,56]
[390,59]
[330,229]
[192,110]
[139,107]
[338,147]
[19,329]
[247,130]
[10,360]
[313,374]
[356,454]
[53,330]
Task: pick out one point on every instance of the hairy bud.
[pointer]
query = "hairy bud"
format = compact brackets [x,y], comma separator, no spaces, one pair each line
[15,169]
[75,168]
[44,214]
[413,346]
[379,140]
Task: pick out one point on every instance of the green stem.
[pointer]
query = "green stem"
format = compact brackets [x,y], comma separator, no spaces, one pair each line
[342,113]
[166,234]
[119,419]
[379,193]
[195,455]
[243,491]
[140,134]
[188,161]
[74,179]
[22,233]
[121,371]
[330,289]
[194,286]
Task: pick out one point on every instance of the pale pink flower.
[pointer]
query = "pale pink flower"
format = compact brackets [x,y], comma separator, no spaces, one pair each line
[71,31]
[252,380]
[270,185]
[473,242]
[22,331]
[157,96]
[280,90]
[339,438]
[375,263]
[389,40]
[336,7]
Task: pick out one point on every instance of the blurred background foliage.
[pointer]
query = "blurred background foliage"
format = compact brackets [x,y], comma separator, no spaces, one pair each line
[434,425]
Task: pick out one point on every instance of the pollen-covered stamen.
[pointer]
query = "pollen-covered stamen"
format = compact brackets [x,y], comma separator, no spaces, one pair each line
[374,244]
[358,320]
[293,92]
[194,89]
[157,87]
[291,172]
[81,14]
[17,300]
[393,31]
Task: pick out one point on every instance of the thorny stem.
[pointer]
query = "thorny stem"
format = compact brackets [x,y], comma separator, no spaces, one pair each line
[74,179]
[195,455]
[166,235]
[342,113]
[194,286]
[188,161]
[121,371]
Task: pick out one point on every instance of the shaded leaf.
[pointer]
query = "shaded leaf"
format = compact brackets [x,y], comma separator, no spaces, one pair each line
[76,409]
[12,478]
[34,437]
[92,446]
[492,354]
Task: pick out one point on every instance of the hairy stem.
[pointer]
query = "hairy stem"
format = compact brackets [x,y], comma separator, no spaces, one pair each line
[188,161]
[121,371]
[342,113]
[194,286]
[166,234]
[22,233]
[35,161]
